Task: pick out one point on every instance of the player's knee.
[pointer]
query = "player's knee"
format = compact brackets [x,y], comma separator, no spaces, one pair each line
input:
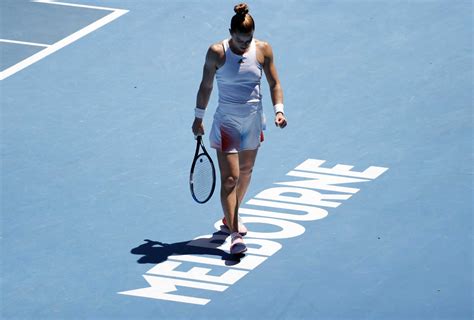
[246,170]
[229,182]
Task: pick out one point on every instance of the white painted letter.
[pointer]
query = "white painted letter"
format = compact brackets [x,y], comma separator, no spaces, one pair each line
[306,196]
[312,213]
[313,165]
[289,229]
[167,268]
[321,182]
[160,288]
[267,248]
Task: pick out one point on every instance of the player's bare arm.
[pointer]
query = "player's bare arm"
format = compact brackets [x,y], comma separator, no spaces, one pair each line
[214,58]
[266,54]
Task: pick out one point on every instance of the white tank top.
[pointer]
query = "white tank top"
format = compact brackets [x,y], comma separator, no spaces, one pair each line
[238,80]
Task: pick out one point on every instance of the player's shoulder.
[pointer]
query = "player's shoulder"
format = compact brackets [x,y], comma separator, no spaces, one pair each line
[216,50]
[263,46]
[215,55]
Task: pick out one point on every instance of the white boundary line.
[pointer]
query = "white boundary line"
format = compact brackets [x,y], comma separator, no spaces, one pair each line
[66,41]
[25,43]
[74,5]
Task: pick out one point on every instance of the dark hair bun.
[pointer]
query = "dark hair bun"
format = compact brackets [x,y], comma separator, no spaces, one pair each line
[241,9]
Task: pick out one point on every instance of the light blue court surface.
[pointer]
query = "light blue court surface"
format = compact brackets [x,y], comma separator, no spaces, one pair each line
[97,146]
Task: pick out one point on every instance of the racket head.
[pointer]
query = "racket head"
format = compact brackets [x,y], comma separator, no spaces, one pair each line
[202,179]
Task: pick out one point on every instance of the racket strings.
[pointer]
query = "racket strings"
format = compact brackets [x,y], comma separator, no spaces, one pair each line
[203,178]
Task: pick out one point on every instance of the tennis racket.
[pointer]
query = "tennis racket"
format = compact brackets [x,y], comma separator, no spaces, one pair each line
[202,180]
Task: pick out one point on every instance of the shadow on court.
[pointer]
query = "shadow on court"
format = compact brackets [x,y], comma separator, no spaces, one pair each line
[156,252]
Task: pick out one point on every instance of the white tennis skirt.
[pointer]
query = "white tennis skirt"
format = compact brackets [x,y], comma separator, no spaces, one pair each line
[237,127]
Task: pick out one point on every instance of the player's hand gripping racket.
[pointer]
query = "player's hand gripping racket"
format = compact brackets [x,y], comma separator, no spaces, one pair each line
[202,179]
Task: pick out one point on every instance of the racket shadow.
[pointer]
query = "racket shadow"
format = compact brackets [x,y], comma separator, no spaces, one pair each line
[156,252]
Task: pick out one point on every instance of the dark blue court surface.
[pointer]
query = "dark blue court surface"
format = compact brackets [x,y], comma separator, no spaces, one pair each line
[97,218]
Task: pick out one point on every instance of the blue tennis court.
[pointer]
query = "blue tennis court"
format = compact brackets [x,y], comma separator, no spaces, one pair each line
[360,209]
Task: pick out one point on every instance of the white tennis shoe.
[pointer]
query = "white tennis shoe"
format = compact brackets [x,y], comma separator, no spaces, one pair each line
[237,244]
[242,229]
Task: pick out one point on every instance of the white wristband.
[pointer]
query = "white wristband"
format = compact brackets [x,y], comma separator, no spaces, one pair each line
[199,113]
[278,108]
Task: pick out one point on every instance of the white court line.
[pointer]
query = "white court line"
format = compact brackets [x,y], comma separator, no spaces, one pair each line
[25,43]
[64,42]
[74,5]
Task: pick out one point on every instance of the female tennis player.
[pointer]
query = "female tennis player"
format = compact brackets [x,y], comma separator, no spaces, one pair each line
[238,125]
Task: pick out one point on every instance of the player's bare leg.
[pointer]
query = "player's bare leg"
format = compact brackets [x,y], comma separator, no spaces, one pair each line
[229,172]
[246,163]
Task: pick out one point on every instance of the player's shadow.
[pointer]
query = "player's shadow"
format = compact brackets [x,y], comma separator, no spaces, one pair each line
[156,252]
